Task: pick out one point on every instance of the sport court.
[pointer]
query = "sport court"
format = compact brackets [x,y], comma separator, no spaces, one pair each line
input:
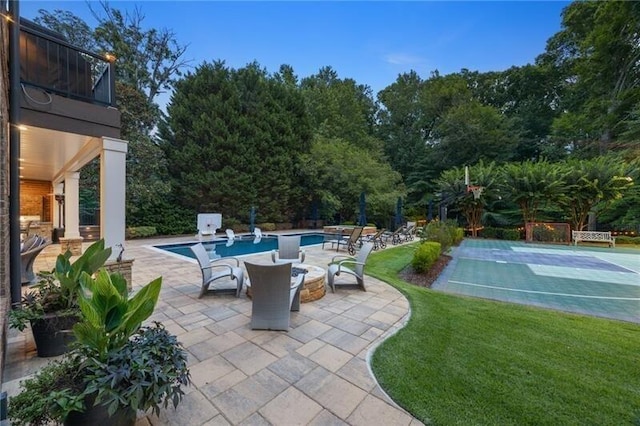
[598,281]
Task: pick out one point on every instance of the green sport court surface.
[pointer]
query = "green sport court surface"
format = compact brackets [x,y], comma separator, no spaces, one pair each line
[597,281]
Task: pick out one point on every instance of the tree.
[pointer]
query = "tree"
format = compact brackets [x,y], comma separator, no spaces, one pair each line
[470,132]
[597,52]
[148,60]
[532,185]
[232,140]
[593,184]
[412,111]
[451,185]
[340,108]
[71,27]
[401,122]
[337,172]
[528,96]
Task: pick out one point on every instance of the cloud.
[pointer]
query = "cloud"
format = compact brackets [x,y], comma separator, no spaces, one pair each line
[404,59]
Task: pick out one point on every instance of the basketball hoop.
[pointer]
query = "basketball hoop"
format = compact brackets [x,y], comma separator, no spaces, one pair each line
[477,191]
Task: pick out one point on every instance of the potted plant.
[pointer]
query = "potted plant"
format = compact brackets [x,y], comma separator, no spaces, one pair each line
[116,366]
[51,308]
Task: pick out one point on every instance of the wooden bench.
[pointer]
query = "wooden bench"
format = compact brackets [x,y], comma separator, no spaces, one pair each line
[593,236]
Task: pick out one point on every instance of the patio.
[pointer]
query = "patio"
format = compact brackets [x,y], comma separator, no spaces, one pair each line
[315,374]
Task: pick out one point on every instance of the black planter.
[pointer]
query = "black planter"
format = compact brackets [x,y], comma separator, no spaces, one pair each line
[97,415]
[52,334]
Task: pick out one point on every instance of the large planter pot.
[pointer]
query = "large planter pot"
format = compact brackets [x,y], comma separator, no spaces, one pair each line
[52,334]
[98,415]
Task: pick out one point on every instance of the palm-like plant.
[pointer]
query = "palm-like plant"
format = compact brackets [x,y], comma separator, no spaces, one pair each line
[451,182]
[593,183]
[532,185]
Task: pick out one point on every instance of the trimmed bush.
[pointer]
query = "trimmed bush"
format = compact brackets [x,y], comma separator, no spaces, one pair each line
[623,239]
[489,232]
[267,226]
[141,232]
[425,256]
[457,233]
[439,232]
[510,234]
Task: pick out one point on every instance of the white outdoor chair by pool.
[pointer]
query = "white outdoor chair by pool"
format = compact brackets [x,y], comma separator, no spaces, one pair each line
[214,269]
[356,267]
[231,237]
[289,250]
[273,295]
[257,235]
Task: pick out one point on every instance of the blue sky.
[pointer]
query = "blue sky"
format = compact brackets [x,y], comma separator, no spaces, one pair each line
[370,42]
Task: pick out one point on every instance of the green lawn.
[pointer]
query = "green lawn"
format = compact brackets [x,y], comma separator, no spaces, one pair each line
[469,361]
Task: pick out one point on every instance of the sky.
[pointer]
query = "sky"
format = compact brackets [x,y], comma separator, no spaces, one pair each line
[371,42]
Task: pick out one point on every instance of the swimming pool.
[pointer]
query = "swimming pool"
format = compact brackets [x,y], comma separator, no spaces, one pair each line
[241,245]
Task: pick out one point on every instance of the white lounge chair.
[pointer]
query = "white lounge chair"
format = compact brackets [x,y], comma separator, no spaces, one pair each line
[214,269]
[231,236]
[257,235]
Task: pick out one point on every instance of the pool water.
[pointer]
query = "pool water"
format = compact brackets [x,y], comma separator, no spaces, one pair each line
[240,246]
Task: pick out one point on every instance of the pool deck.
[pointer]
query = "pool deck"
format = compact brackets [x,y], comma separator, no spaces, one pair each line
[317,373]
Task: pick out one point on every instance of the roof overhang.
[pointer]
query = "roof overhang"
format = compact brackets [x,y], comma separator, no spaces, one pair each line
[48,154]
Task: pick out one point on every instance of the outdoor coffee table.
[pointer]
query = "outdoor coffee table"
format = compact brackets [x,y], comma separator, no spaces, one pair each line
[313,287]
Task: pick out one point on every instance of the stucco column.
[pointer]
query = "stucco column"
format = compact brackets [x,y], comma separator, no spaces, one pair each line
[112,193]
[71,205]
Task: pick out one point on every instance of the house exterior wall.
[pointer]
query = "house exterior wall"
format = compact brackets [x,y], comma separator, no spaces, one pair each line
[32,199]
[5,294]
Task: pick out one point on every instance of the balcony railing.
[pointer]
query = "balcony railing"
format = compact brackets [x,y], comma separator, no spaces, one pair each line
[58,67]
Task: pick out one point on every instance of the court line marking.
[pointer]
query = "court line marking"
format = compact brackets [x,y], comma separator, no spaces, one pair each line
[543,292]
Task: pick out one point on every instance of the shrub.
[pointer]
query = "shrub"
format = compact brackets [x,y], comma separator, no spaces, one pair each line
[500,233]
[439,232]
[267,226]
[456,232]
[141,232]
[627,240]
[425,256]
[489,233]
[511,234]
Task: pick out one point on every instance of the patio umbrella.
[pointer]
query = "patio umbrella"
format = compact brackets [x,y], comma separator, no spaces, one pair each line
[399,212]
[252,219]
[363,208]
[430,212]
[314,214]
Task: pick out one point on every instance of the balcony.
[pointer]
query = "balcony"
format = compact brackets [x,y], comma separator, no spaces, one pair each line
[65,88]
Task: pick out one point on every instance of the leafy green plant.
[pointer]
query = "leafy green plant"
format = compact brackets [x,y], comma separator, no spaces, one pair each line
[109,316]
[57,291]
[49,395]
[437,231]
[141,231]
[115,362]
[147,372]
[425,256]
